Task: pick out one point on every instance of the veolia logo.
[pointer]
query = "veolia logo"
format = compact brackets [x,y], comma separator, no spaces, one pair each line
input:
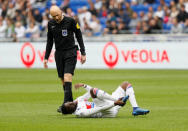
[27,54]
[109,56]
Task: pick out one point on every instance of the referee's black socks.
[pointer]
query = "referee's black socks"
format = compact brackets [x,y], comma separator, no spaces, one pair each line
[68,92]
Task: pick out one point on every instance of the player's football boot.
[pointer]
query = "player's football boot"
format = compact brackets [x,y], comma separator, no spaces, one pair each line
[140,111]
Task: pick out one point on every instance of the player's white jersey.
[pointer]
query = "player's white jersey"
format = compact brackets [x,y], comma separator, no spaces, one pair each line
[84,106]
[99,107]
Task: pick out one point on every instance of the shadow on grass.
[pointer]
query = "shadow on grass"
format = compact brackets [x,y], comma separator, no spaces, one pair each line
[60,116]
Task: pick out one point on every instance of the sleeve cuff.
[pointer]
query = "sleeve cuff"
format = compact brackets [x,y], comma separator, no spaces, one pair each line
[83,52]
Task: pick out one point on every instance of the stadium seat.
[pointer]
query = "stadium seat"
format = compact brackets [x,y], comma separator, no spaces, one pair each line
[76,4]
[28,35]
[128,1]
[155,6]
[41,10]
[134,8]
[143,8]
[41,28]
[139,8]
[157,2]
[58,3]
[167,26]
[168,1]
[48,3]
[75,8]
[102,20]
[79,2]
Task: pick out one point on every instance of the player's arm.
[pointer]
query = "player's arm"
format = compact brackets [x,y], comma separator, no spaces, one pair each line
[49,45]
[78,33]
[87,95]
[78,85]
[92,111]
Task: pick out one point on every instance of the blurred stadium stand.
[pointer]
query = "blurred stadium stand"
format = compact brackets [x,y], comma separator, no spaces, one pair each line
[160,22]
[119,38]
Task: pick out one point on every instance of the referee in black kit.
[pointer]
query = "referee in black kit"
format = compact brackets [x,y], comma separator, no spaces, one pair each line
[61,29]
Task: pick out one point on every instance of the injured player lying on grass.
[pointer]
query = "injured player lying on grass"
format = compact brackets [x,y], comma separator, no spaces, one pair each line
[103,104]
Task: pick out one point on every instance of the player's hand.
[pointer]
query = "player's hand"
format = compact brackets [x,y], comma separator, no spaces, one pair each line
[45,63]
[78,85]
[83,59]
[119,102]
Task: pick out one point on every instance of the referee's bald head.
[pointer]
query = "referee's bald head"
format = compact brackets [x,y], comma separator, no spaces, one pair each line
[54,8]
[56,13]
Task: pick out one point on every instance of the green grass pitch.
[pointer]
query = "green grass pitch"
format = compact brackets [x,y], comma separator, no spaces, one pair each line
[29,99]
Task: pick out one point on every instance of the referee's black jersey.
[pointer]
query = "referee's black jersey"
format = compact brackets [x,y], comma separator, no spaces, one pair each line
[63,35]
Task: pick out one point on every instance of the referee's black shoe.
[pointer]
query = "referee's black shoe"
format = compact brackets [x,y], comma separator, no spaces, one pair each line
[59,109]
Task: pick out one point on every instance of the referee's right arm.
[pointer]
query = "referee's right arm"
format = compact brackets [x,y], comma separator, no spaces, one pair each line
[49,45]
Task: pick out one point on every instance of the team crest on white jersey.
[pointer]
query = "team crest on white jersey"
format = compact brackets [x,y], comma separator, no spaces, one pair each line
[64,32]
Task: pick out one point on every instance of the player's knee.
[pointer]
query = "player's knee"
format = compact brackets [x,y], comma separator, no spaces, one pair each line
[93,92]
[125,85]
[67,77]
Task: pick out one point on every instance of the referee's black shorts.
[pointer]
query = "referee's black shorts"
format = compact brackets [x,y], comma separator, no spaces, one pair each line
[66,61]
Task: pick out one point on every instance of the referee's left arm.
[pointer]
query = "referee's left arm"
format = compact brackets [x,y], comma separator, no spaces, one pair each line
[79,38]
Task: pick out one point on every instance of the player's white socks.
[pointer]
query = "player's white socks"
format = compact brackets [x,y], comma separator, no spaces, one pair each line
[132,99]
[103,95]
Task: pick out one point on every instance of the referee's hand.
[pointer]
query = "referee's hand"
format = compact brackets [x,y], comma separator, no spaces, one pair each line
[45,63]
[83,59]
